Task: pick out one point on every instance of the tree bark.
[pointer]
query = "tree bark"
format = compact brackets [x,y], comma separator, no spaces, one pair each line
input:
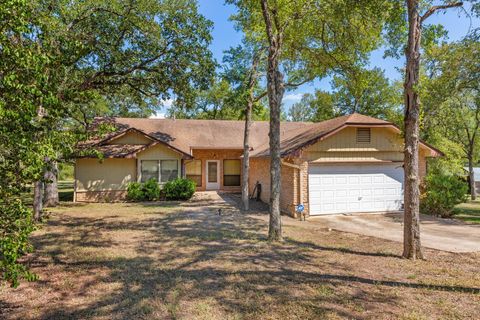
[37,200]
[246,156]
[246,137]
[412,246]
[275,90]
[471,177]
[51,185]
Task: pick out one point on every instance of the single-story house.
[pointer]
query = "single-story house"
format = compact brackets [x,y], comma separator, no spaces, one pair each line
[352,163]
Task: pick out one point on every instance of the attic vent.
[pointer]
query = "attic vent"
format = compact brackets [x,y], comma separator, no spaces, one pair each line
[363,135]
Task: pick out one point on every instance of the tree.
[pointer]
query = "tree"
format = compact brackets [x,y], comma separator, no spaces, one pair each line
[412,247]
[306,39]
[136,53]
[315,107]
[451,96]
[55,61]
[365,91]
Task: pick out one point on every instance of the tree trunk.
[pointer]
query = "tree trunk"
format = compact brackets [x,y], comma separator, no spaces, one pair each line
[51,185]
[246,154]
[37,200]
[411,244]
[275,90]
[471,176]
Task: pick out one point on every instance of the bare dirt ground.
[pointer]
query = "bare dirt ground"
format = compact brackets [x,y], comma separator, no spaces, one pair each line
[184,261]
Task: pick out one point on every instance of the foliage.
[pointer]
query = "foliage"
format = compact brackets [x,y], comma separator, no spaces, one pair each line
[313,107]
[147,191]
[359,90]
[227,97]
[15,227]
[179,189]
[442,192]
[65,171]
[67,61]
[135,192]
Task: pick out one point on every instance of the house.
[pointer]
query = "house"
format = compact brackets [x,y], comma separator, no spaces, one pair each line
[351,163]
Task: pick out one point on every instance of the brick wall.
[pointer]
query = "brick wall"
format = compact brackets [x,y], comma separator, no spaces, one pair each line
[260,171]
[204,155]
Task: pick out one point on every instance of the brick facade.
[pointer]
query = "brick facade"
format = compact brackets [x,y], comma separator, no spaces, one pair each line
[209,154]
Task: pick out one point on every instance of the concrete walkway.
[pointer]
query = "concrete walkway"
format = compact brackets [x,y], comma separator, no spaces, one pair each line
[442,234]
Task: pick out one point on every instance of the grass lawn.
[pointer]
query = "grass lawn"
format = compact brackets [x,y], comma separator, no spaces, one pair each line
[469,212]
[184,261]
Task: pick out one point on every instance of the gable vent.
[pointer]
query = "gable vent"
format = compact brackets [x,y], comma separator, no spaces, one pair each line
[363,135]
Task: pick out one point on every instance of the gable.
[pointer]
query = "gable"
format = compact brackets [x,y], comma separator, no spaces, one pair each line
[385,144]
[158,151]
[131,137]
[381,139]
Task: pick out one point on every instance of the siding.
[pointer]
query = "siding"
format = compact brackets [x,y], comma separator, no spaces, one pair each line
[106,175]
[131,138]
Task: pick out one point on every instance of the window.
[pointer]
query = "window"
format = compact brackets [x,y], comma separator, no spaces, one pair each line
[149,170]
[161,170]
[194,171]
[168,170]
[363,135]
[231,173]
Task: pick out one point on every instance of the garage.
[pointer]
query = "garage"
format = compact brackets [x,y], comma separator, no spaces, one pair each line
[348,188]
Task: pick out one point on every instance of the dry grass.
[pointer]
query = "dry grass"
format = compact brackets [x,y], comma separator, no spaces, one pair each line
[469,211]
[171,261]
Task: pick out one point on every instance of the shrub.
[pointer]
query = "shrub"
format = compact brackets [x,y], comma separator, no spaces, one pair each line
[179,189]
[151,190]
[134,191]
[442,192]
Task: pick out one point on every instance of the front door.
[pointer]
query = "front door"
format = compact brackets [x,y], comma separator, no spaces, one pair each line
[213,175]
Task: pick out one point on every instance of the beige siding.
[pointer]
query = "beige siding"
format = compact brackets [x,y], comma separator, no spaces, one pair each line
[131,138]
[106,175]
[158,152]
[385,145]
[382,139]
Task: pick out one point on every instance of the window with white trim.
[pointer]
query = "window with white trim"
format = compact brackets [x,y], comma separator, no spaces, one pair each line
[364,135]
[149,170]
[160,170]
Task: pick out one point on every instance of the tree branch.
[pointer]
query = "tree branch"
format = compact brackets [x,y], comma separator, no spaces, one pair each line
[433,9]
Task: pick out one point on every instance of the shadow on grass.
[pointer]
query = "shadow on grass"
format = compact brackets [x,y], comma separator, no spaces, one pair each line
[181,258]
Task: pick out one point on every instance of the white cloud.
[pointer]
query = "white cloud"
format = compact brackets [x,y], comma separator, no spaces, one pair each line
[158,115]
[167,103]
[293,97]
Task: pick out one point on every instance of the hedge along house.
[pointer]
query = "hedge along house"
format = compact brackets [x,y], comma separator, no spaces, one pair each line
[351,163]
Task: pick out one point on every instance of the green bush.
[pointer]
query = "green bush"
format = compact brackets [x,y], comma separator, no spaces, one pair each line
[179,189]
[147,191]
[134,191]
[151,190]
[16,225]
[441,193]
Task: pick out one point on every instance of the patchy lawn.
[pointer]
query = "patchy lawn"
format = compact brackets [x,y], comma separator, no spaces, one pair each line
[184,261]
[469,212]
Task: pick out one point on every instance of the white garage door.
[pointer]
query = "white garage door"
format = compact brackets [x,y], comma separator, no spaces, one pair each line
[345,188]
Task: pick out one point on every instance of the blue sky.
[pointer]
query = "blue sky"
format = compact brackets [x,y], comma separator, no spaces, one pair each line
[225,36]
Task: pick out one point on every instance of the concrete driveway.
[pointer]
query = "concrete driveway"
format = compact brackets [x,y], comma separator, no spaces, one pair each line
[442,234]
